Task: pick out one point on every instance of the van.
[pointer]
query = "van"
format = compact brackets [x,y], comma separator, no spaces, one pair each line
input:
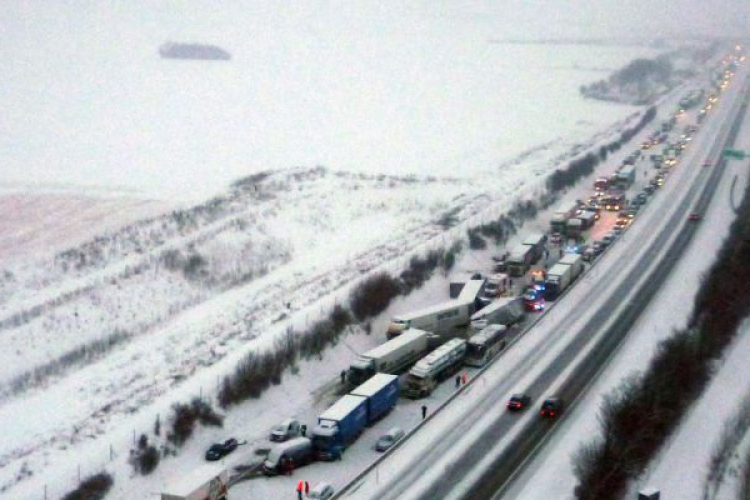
[287,429]
[299,450]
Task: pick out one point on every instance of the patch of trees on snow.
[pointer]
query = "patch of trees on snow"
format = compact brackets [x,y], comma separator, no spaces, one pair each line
[640,82]
[200,51]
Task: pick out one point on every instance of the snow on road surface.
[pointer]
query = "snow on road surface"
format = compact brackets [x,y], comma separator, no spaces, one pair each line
[186,133]
[682,466]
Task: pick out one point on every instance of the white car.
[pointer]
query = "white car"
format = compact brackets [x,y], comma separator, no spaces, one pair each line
[321,491]
[389,439]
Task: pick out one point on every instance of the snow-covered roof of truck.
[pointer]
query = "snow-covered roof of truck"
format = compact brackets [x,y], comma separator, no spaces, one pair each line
[185,484]
[342,407]
[470,291]
[494,306]
[435,359]
[374,384]
[443,306]
[406,338]
[570,258]
[558,270]
[535,239]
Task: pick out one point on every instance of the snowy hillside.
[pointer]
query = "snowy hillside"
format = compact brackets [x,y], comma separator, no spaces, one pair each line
[335,142]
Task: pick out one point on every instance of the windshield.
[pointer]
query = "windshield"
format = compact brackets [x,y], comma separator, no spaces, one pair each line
[474,349]
[322,442]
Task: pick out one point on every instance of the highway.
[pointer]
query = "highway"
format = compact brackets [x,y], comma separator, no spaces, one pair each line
[474,451]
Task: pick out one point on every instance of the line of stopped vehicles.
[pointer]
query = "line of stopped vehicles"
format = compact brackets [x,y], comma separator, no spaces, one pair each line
[484,313]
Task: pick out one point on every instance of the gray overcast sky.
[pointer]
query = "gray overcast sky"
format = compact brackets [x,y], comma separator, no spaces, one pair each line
[618,18]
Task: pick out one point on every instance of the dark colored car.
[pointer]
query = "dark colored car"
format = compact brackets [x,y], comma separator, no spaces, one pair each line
[551,407]
[220,450]
[519,402]
[598,247]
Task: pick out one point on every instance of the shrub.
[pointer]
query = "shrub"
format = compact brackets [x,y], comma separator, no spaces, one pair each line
[146,458]
[185,416]
[373,296]
[92,488]
[476,242]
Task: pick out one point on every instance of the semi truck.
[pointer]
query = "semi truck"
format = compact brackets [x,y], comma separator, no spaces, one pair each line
[459,280]
[625,177]
[209,482]
[574,260]
[392,357]
[339,426]
[434,368]
[438,319]
[558,279]
[505,311]
[497,285]
[560,218]
[538,242]
[471,293]
[381,394]
[520,259]
[562,274]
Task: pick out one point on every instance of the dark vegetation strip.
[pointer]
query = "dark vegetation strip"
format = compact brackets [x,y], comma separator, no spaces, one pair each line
[256,372]
[92,488]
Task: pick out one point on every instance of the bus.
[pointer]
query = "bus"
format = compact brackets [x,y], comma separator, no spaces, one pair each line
[483,346]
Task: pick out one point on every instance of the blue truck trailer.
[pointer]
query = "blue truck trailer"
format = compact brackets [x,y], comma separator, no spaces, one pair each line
[339,426]
[381,393]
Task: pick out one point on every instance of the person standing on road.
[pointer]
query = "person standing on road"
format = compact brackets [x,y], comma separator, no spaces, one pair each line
[424,412]
[458,381]
[300,486]
[343,377]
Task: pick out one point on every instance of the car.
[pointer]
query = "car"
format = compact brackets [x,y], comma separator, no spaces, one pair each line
[633,212]
[598,247]
[642,197]
[555,238]
[389,438]
[321,491]
[707,164]
[287,429]
[589,254]
[609,238]
[695,216]
[218,451]
[551,407]
[518,402]
[618,229]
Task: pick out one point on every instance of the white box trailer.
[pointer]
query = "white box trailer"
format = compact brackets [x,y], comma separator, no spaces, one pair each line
[575,261]
[504,311]
[472,290]
[392,357]
[438,319]
[209,482]
[558,279]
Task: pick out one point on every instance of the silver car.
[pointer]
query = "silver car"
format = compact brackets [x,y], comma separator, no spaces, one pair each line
[321,491]
[389,439]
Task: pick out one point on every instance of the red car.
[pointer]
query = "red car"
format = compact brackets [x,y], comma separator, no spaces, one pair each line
[519,402]
[694,216]
[551,407]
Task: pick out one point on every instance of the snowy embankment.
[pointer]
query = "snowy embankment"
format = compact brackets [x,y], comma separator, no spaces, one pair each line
[60,309]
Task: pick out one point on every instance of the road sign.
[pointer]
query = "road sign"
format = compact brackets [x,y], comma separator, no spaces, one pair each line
[735,153]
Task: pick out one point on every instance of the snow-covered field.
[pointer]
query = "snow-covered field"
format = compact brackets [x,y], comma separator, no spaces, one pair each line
[362,126]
